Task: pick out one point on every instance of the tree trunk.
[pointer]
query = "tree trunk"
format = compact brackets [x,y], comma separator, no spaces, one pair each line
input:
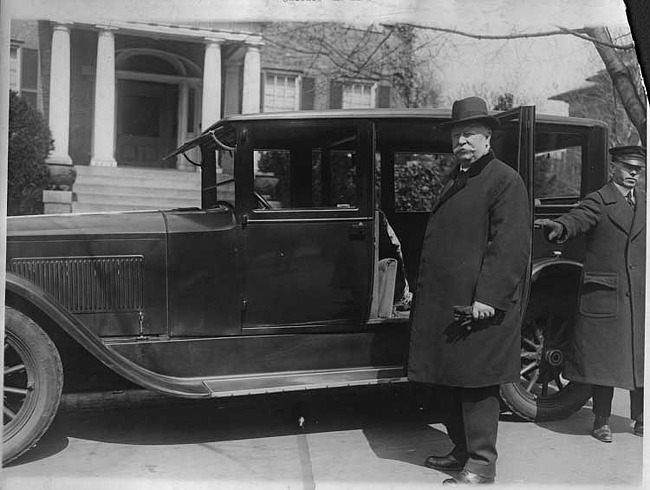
[634,106]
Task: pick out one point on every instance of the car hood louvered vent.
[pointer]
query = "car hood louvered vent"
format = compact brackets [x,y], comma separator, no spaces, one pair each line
[87,284]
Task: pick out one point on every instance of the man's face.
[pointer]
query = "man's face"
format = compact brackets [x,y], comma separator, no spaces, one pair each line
[626,175]
[470,142]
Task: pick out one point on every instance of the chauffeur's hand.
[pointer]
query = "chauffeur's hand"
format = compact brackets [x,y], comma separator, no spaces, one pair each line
[552,229]
[481,311]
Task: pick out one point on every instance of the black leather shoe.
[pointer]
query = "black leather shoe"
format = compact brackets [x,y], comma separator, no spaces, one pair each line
[466,477]
[602,433]
[638,428]
[445,463]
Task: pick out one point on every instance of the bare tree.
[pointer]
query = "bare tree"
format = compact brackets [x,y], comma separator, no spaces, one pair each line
[625,81]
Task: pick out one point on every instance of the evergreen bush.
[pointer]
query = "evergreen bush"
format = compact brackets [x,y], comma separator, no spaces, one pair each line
[30,142]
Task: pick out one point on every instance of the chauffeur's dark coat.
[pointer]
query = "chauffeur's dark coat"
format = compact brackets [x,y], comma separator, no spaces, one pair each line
[476,247]
[609,332]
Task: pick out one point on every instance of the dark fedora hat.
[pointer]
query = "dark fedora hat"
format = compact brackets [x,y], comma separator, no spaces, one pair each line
[471,110]
[631,155]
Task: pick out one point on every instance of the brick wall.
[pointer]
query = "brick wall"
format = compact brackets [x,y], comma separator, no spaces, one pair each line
[326,53]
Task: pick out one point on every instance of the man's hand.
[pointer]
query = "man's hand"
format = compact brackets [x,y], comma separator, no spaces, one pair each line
[556,229]
[481,311]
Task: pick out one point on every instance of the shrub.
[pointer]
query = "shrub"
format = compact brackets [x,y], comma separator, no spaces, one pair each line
[30,142]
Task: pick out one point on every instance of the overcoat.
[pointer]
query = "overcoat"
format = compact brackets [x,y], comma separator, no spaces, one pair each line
[476,247]
[608,340]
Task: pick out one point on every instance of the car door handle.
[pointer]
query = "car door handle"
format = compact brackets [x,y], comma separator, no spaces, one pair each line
[358,231]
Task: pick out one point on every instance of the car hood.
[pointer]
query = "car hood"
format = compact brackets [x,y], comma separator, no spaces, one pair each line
[111,223]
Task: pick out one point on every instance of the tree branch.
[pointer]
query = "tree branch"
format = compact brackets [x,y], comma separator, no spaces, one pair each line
[558,32]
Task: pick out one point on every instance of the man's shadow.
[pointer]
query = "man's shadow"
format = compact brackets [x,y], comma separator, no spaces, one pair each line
[412,434]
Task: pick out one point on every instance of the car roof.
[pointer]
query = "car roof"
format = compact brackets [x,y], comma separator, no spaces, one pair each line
[392,113]
[442,114]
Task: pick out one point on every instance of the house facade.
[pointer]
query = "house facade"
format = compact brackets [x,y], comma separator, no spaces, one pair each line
[122,95]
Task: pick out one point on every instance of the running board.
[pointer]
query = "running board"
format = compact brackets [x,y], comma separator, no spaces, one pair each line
[302,380]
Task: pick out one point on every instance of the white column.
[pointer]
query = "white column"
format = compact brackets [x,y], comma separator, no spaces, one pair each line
[232,89]
[104,122]
[211,99]
[252,74]
[60,95]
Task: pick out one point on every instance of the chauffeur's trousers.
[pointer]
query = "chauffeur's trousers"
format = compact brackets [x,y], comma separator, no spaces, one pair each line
[472,418]
[602,398]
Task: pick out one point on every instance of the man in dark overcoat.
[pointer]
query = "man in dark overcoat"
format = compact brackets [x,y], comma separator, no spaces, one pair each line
[476,252]
[608,339]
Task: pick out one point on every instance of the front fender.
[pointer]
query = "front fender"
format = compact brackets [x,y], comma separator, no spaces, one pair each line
[48,306]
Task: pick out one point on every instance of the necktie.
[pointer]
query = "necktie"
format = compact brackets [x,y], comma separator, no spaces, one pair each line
[629,198]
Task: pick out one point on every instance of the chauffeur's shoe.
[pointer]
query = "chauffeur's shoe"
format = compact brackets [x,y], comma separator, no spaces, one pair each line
[601,431]
[451,462]
[466,477]
[638,428]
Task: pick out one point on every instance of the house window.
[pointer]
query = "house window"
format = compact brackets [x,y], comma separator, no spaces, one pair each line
[358,95]
[23,73]
[281,92]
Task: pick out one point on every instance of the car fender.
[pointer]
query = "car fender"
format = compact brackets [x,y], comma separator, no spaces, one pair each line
[555,263]
[37,298]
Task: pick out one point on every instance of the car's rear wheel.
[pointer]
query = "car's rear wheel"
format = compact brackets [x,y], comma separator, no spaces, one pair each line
[33,381]
[543,393]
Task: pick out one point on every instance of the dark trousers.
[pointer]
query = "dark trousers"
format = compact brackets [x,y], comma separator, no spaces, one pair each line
[471,416]
[602,397]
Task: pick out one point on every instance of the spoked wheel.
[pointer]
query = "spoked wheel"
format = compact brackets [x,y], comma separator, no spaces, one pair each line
[33,380]
[542,392]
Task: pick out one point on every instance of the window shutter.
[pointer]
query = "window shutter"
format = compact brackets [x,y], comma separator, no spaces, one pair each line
[308,93]
[336,95]
[383,96]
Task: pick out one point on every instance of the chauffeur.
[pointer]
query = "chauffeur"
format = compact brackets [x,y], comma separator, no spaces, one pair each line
[475,252]
[609,333]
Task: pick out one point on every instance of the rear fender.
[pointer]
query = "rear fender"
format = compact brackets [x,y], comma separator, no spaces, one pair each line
[544,268]
[39,300]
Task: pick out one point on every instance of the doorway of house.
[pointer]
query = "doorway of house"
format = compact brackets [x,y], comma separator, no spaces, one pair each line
[146,123]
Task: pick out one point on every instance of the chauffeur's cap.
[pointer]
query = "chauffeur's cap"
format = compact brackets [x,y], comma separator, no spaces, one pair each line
[631,155]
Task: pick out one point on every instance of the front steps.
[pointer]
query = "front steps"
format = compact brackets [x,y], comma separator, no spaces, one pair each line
[98,189]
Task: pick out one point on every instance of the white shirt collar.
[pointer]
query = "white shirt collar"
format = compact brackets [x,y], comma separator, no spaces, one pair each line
[624,190]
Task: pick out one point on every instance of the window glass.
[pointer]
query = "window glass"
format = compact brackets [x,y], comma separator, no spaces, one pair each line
[357,96]
[191,102]
[558,172]
[280,92]
[307,167]
[558,166]
[419,179]
[29,68]
[13,70]
[226,176]
[313,186]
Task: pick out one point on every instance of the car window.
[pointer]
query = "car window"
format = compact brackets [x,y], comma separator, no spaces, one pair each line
[558,167]
[302,169]
[226,176]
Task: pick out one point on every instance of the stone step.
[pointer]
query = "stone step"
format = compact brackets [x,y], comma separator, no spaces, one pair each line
[84,187]
[153,201]
[138,182]
[83,207]
[136,172]
[99,189]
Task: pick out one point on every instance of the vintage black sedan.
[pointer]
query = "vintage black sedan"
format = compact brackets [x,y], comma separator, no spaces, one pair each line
[279,281]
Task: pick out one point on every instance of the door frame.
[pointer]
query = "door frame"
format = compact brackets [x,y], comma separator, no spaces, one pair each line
[182,134]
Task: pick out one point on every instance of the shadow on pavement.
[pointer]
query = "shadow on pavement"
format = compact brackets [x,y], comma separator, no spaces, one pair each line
[259,416]
[581,422]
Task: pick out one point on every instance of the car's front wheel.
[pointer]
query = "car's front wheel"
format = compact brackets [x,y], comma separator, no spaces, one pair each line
[543,393]
[33,381]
